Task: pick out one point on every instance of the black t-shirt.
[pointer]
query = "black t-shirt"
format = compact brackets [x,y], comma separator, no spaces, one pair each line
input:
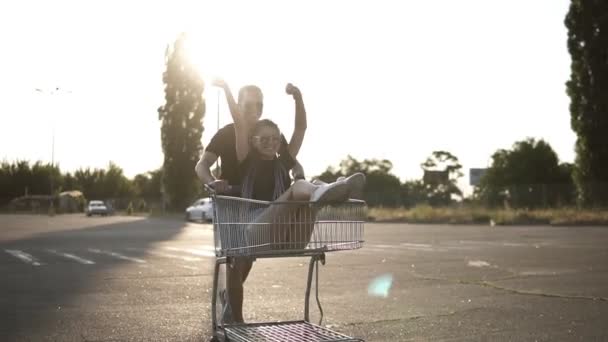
[264,174]
[223,145]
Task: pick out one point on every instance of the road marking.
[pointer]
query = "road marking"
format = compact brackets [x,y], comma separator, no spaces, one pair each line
[72,256]
[478,263]
[207,247]
[27,258]
[201,252]
[190,267]
[167,255]
[117,255]
[417,245]
[505,243]
[545,272]
[408,246]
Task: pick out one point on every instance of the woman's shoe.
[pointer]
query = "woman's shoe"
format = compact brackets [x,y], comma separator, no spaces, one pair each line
[333,192]
[356,183]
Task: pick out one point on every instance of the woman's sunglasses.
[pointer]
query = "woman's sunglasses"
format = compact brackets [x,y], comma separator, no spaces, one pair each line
[266,139]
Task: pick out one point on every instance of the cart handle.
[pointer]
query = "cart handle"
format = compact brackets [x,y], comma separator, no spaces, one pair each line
[233,190]
[209,189]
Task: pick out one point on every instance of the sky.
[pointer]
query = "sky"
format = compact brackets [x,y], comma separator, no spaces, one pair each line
[381,79]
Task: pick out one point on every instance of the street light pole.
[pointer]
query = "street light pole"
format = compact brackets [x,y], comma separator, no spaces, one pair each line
[51,92]
[218,109]
[217,162]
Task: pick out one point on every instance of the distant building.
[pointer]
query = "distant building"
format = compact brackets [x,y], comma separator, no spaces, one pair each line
[71,201]
[66,202]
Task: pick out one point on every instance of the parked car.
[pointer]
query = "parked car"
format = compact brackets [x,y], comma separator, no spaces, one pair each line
[200,210]
[97,208]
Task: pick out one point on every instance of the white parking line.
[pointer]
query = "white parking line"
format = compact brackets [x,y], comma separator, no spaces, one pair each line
[201,252]
[167,255]
[72,256]
[478,263]
[404,246]
[27,258]
[417,245]
[117,255]
[190,267]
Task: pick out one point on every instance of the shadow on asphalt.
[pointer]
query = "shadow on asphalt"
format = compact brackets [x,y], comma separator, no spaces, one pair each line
[30,295]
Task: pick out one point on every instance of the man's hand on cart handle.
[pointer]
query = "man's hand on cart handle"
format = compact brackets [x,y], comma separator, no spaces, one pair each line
[220,186]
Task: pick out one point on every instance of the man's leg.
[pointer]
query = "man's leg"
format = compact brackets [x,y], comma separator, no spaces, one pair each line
[301,227]
[237,274]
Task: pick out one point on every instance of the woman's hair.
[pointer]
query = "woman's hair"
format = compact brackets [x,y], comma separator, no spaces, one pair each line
[264,123]
[280,173]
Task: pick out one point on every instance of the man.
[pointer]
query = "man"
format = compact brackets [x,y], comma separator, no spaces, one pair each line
[223,146]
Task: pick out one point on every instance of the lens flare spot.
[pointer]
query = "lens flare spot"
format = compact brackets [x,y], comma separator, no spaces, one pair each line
[380,286]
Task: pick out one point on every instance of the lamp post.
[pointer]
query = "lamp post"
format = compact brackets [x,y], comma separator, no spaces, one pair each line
[217,170]
[51,92]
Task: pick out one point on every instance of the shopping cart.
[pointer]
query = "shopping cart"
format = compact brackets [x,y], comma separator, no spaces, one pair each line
[258,229]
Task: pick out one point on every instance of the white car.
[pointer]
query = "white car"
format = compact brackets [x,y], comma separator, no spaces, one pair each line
[201,210]
[97,208]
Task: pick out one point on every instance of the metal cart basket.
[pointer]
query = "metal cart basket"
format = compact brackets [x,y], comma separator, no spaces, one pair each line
[260,229]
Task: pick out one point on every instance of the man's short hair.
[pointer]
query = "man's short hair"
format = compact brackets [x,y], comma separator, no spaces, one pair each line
[249,89]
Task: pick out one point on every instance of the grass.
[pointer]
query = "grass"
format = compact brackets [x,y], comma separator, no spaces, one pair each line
[456,215]
[480,215]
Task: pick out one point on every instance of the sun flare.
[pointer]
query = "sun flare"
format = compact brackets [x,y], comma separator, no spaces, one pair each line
[213,57]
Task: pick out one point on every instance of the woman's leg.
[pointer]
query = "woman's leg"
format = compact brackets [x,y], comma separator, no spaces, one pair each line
[356,183]
[286,225]
[238,272]
[300,231]
[269,231]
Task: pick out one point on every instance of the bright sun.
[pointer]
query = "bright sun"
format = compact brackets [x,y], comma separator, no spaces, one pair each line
[214,57]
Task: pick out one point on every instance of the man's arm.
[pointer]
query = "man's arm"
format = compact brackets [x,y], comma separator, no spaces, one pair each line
[203,170]
[203,167]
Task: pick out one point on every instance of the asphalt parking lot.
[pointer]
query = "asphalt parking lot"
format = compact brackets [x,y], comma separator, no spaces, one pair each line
[73,278]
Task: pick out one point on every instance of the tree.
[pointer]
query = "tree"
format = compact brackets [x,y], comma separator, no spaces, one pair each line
[19,178]
[69,182]
[527,176]
[147,185]
[413,192]
[101,184]
[588,85]
[87,181]
[115,184]
[182,125]
[381,188]
[441,190]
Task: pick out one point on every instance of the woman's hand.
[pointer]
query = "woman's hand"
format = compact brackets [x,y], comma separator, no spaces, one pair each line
[236,114]
[218,82]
